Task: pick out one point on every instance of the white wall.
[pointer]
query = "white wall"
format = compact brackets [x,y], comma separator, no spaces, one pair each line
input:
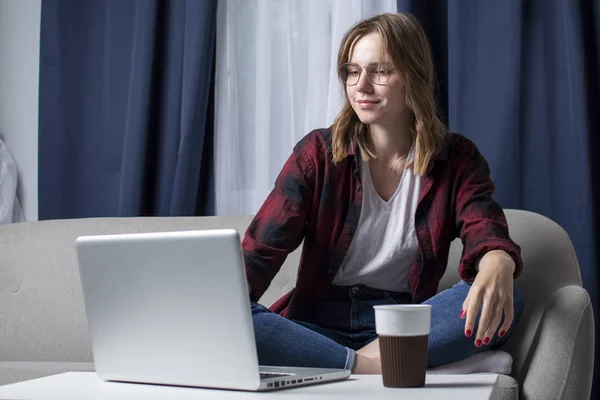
[19,83]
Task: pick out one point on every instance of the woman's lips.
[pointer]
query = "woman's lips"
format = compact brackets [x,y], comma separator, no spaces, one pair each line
[365,104]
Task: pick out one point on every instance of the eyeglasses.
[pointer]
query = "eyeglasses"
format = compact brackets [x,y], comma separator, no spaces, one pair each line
[378,73]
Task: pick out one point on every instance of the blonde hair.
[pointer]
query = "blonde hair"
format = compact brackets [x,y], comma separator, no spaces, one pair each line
[405,41]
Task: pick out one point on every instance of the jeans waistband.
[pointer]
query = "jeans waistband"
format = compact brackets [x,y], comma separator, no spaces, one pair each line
[364,292]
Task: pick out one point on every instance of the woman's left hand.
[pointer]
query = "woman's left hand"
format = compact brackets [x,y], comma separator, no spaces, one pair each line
[492,289]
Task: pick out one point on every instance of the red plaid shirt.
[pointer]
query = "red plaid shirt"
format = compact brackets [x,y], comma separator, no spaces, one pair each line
[319,203]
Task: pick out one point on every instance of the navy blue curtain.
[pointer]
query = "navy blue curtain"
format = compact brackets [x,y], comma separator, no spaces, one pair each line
[125,112]
[522,80]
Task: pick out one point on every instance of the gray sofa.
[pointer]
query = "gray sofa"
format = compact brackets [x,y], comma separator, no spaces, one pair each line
[43,328]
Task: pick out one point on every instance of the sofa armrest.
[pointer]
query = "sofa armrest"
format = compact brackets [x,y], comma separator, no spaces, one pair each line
[561,358]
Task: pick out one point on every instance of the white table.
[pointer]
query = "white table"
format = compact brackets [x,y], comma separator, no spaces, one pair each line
[87,385]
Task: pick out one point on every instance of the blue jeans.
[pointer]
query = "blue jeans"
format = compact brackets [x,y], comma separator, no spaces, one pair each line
[345,321]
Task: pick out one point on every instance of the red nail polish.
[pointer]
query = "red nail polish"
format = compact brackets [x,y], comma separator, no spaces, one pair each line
[486,340]
[462,314]
[502,333]
[478,343]
[468,333]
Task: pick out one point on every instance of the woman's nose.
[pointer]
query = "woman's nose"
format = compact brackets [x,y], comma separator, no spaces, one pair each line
[364,83]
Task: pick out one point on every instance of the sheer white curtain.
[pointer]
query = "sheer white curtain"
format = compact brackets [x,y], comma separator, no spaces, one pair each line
[276,80]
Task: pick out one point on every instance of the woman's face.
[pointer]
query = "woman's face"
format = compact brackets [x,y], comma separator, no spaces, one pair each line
[375,104]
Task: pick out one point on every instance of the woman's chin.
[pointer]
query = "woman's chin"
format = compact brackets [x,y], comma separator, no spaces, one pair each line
[367,119]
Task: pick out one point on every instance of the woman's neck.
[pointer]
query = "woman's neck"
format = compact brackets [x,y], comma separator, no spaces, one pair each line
[391,146]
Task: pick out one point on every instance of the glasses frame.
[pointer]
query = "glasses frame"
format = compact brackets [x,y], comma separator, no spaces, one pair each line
[368,75]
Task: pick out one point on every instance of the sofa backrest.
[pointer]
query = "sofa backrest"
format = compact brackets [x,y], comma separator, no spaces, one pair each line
[42,315]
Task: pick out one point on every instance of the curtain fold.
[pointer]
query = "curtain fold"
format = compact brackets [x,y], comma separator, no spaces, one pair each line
[124,105]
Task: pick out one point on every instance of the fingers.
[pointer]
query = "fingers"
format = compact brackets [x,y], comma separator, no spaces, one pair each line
[509,316]
[492,307]
[470,309]
[487,329]
[487,314]
[491,317]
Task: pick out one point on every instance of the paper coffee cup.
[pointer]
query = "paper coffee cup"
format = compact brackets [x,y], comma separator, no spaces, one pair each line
[403,331]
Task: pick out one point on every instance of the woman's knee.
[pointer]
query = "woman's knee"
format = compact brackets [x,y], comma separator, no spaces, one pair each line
[258,308]
[262,318]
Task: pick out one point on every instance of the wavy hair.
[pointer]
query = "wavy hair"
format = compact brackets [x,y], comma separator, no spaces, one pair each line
[403,38]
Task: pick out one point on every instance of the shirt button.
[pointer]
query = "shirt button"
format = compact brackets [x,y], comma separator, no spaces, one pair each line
[355,290]
[358,188]
[329,272]
[348,231]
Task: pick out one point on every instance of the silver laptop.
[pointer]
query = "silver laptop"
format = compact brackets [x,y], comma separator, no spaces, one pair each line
[173,308]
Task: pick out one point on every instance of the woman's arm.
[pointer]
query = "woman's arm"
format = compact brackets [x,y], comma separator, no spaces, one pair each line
[480,221]
[490,257]
[278,227]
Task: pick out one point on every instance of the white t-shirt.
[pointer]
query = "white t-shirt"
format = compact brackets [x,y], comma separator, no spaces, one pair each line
[385,244]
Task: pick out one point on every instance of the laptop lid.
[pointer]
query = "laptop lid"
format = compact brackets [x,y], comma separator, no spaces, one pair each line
[169,308]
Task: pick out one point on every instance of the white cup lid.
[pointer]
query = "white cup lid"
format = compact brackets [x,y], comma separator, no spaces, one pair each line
[403,319]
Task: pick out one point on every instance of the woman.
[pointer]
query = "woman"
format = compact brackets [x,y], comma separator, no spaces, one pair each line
[377,199]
